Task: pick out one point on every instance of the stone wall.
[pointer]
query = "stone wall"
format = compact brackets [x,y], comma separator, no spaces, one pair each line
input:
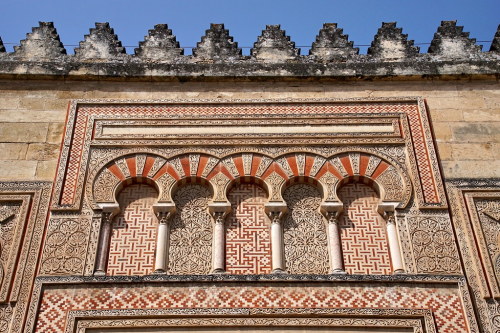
[464,114]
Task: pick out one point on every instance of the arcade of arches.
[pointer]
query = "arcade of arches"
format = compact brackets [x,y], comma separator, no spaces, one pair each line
[247,231]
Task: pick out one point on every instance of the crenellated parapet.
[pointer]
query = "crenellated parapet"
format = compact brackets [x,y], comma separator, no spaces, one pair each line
[495,45]
[101,43]
[391,54]
[159,45]
[274,46]
[217,45]
[452,42]
[331,44]
[42,43]
[391,44]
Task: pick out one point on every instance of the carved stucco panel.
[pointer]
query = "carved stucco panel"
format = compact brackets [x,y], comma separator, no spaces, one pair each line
[306,245]
[191,232]
[433,245]
[489,216]
[104,186]
[65,246]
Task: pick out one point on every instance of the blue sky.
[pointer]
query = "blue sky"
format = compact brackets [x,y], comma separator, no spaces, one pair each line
[245,19]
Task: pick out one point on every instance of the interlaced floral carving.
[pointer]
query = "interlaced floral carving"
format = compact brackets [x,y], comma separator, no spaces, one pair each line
[433,245]
[191,232]
[489,215]
[306,246]
[391,182]
[330,181]
[104,186]
[265,162]
[275,181]
[8,210]
[65,246]
[5,317]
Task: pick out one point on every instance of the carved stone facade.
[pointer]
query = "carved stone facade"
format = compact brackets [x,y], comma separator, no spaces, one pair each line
[230,204]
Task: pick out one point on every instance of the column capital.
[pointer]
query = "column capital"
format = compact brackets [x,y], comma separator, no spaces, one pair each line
[332,210]
[164,211]
[387,210]
[219,210]
[109,210]
[275,211]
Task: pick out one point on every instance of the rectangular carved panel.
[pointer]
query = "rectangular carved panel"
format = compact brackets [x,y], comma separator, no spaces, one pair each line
[444,303]
[475,206]
[433,244]
[23,210]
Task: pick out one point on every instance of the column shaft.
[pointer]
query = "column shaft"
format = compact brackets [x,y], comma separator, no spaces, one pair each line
[104,241]
[277,243]
[395,250]
[335,244]
[219,243]
[162,243]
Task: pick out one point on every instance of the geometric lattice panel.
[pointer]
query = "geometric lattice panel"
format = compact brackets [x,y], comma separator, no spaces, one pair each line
[445,303]
[363,234]
[248,240]
[133,241]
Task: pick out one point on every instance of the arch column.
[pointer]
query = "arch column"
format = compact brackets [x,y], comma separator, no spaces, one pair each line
[387,210]
[108,213]
[219,211]
[275,211]
[332,211]
[164,213]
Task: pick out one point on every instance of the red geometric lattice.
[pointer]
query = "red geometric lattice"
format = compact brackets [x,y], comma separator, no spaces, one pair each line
[363,234]
[248,241]
[445,303]
[133,240]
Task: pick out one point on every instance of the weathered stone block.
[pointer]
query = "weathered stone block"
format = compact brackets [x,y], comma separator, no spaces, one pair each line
[472,151]
[23,132]
[42,151]
[55,133]
[13,151]
[31,116]
[470,169]
[489,115]
[475,132]
[46,170]
[442,131]
[17,170]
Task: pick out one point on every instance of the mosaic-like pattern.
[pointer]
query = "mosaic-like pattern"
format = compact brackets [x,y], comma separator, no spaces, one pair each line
[363,235]
[190,249]
[444,302]
[248,239]
[133,240]
[304,231]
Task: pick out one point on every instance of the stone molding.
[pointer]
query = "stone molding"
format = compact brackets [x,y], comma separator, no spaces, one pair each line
[468,216]
[420,320]
[21,233]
